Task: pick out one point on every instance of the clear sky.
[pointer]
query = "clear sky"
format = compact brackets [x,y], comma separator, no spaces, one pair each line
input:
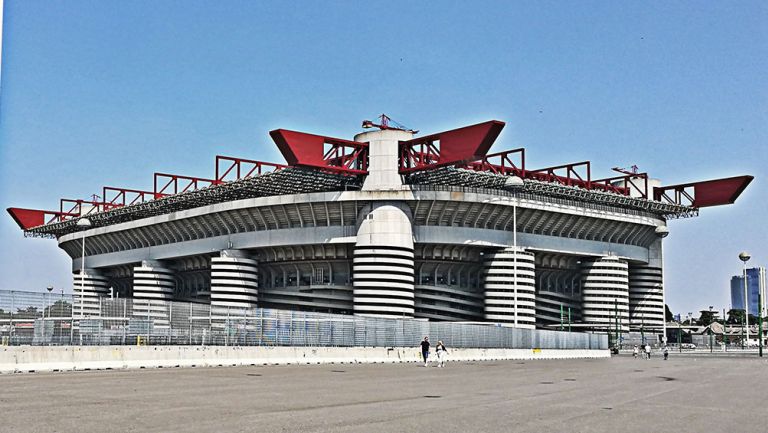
[106,92]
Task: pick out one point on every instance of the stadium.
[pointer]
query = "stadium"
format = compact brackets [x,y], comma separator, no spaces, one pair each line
[387,224]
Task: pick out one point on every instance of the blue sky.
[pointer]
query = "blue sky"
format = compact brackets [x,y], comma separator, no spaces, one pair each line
[106,93]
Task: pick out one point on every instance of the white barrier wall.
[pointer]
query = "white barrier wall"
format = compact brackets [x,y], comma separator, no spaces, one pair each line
[22,359]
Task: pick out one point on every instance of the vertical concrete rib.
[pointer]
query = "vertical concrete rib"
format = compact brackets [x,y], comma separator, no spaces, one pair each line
[604,291]
[234,280]
[510,287]
[88,291]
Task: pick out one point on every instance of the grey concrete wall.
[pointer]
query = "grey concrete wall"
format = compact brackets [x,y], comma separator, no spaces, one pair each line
[20,359]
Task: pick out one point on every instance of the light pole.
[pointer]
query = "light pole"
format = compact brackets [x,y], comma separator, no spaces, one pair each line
[658,286]
[744,257]
[726,340]
[83,223]
[616,316]
[514,183]
[49,289]
[711,319]
[760,321]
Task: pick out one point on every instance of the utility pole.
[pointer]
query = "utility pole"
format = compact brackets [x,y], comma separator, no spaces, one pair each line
[725,331]
[760,322]
[712,319]
[616,315]
[742,332]
[569,319]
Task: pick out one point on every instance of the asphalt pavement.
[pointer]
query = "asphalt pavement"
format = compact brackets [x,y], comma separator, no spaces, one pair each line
[621,394]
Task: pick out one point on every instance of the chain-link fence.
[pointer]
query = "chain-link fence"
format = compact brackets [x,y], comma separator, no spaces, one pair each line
[49,319]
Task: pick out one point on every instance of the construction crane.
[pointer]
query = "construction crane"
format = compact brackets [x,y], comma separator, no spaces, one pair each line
[386,122]
[632,170]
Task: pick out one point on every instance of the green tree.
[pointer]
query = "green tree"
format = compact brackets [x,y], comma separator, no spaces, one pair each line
[735,317]
[59,308]
[706,317]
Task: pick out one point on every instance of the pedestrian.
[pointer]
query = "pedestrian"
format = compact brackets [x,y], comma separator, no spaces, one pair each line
[666,352]
[647,351]
[635,351]
[425,350]
[441,353]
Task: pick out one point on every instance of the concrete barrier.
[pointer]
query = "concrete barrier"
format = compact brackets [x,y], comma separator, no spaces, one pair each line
[20,359]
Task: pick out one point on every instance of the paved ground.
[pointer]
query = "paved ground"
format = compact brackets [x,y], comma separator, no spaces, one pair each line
[687,393]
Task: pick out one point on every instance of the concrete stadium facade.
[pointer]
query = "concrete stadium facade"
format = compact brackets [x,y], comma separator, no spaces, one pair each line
[444,243]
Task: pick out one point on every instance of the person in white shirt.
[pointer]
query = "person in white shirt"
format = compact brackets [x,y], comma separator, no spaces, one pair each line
[441,352]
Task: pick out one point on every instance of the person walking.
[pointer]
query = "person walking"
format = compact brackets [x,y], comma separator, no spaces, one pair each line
[425,350]
[666,352]
[647,351]
[635,351]
[441,353]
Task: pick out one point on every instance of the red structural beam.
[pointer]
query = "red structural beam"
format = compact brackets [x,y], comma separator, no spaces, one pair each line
[502,163]
[126,197]
[637,182]
[176,183]
[706,193]
[570,178]
[29,218]
[326,153]
[75,206]
[453,147]
[242,168]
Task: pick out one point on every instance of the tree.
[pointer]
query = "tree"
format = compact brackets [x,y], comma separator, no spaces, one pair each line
[706,317]
[735,317]
[59,308]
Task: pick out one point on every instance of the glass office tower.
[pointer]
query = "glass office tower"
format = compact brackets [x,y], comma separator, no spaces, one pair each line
[755,285]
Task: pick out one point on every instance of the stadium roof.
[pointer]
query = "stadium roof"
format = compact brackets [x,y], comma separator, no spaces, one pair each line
[456,158]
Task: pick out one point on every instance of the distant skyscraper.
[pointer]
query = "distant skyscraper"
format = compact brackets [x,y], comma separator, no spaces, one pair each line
[755,284]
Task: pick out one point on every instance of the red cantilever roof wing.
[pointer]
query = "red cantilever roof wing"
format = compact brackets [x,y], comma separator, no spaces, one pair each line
[28,218]
[708,192]
[309,150]
[470,143]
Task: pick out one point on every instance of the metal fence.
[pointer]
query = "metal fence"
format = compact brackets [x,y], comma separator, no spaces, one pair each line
[48,319]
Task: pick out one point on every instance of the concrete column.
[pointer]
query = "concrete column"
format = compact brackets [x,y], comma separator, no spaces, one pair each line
[153,287]
[383,158]
[383,271]
[605,289]
[234,280]
[510,287]
[88,291]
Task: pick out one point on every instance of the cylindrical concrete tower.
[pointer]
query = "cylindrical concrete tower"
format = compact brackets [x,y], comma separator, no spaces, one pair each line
[383,271]
[646,297]
[383,276]
[88,291]
[605,293]
[234,280]
[152,283]
[383,158]
[510,287]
